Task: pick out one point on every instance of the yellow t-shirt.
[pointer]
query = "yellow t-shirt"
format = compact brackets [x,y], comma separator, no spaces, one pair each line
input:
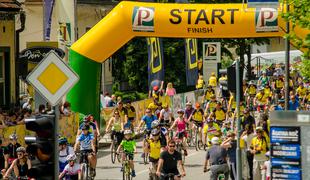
[220,115]
[301,91]
[212,81]
[200,84]
[260,144]
[197,115]
[279,84]
[131,114]
[208,95]
[261,98]
[154,148]
[252,90]
[232,102]
[308,97]
[152,106]
[268,92]
[212,105]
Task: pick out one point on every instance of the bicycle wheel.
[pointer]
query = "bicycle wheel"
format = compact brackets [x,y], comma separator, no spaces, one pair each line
[124,172]
[128,172]
[83,171]
[189,138]
[113,152]
[196,140]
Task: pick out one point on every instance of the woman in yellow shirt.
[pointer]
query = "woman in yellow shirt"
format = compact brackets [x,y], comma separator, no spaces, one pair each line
[154,149]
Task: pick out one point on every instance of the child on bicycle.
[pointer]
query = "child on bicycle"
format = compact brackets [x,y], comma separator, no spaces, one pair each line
[129,148]
[72,170]
[154,146]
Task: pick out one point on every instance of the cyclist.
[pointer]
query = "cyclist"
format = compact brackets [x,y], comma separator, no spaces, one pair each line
[72,171]
[154,148]
[169,162]
[147,119]
[87,146]
[165,115]
[200,82]
[198,118]
[64,152]
[207,95]
[117,127]
[268,92]
[278,84]
[211,104]
[87,121]
[301,91]
[131,112]
[250,92]
[212,80]
[261,99]
[158,109]
[20,166]
[129,147]
[263,80]
[181,134]
[211,130]
[163,138]
[12,147]
[122,111]
[153,106]
[219,114]
[188,110]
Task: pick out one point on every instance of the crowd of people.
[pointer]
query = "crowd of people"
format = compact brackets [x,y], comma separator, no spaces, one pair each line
[213,118]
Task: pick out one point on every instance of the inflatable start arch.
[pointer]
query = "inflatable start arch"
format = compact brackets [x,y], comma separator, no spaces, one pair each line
[132,19]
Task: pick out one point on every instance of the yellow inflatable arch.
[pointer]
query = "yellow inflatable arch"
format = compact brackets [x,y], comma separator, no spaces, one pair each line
[131,19]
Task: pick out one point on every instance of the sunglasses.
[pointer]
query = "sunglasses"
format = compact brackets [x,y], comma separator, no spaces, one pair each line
[172,146]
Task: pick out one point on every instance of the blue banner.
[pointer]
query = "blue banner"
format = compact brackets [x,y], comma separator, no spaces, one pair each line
[155,60]
[48,11]
[191,58]
[285,135]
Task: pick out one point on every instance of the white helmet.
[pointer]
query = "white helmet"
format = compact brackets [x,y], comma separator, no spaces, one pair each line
[215,140]
[127,131]
[71,157]
[155,124]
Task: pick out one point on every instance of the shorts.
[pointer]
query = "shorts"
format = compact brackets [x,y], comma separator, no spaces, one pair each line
[129,155]
[278,91]
[165,122]
[84,154]
[180,135]
[162,177]
[198,123]
[219,122]
[118,135]
[152,160]
[72,177]
[163,141]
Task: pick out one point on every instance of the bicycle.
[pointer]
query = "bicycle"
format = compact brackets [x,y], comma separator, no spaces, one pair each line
[179,148]
[152,173]
[114,146]
[85,168]
[198,143]
[126,168]
[146,153]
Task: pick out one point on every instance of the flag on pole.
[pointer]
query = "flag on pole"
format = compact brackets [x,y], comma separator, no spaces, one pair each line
[48,11]
[191,58]
[155,60]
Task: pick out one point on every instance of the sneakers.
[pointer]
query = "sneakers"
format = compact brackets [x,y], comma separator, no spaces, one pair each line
[133,173]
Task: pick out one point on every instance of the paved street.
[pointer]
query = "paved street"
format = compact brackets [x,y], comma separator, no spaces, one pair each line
[108,171]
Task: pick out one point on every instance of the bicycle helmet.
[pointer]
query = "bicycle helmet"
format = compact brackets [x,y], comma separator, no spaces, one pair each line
[197,105]
[127,131]
[13,137]
[155,132]
[21,149]
[215,140]
[155,88]
[62,140]
[180,111]
[85,127]
[155,124]
[251,82]
[71,157]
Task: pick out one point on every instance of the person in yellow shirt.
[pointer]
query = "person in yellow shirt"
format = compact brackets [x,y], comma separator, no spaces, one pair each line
[301,91]
[210,130]
[259,146]
[154,146]
[261,99]
[198,118]
[131,113]
[219,114]
[211,104]
[200,82]
[208,94]
[212,80]
[268,92]
[153,105]
[232,104]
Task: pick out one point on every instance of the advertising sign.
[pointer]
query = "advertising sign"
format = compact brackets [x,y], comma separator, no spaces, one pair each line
[285,152]
[212,51]
[263,3]
[266,20]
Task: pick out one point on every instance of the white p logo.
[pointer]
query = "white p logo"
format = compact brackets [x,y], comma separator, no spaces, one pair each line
[144,15]
[267,15]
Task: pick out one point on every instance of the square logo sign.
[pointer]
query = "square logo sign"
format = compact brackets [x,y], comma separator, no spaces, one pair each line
[266,20]
[143,19]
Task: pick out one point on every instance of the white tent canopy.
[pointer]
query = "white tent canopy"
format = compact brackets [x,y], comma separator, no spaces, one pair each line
[273,57]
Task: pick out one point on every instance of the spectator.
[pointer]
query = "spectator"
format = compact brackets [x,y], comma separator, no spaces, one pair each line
[112,102]
[231,145]
[28,104]
[4,155]
[246,137]
[212,80]
[119,99]
[267,166]
[104,100]
[42,109]
[293,104]
[170,91]
[66,109]
[200,82]
[247,119]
